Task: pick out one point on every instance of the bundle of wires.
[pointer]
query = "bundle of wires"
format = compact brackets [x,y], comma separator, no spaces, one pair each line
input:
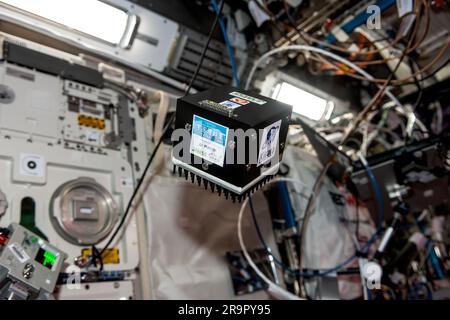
[297,34]
[321,178]
[383,89]
[275,289]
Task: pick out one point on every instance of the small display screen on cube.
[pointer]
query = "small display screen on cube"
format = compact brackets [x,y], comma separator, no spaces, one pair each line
[46,258]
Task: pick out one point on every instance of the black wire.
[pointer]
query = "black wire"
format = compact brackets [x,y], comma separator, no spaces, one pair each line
[263,242]
[163,134]
[255,222]
[97,255]
[135,192]
[205,47]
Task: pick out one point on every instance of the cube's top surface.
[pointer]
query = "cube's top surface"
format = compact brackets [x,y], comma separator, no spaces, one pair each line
[240,105]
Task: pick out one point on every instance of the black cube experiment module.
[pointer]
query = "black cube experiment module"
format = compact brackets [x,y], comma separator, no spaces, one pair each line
[235,139]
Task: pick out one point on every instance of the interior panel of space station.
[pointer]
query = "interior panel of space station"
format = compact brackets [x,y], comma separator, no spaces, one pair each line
[257,150]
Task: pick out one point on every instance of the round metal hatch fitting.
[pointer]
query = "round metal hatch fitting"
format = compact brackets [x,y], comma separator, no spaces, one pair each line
[3,203]
[83,212]
[7,94]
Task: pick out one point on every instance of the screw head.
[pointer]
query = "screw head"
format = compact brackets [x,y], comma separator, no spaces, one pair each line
[80,261]
[205,166]
[232,145]
[28,271]
[188,126]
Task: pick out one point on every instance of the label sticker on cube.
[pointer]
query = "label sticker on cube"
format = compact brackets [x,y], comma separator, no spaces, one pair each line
[230,104]
[209,140]
[247,97]
[269,142]
[240,101]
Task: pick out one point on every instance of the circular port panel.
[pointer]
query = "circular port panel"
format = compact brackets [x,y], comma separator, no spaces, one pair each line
[83,212]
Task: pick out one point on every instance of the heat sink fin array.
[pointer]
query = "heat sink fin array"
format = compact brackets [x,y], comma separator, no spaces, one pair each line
[219,190]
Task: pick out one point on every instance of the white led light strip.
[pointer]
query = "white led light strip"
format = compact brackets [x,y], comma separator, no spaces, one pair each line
[92,17]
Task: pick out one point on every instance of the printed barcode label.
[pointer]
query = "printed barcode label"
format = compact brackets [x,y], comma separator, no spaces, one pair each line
[19,252]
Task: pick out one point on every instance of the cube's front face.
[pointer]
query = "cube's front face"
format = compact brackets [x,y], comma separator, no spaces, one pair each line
[229,138]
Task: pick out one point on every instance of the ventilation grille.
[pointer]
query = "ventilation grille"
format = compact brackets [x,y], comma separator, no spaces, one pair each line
[216,68]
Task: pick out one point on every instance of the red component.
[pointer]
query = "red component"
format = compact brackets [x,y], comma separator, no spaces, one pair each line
[438,3]
[3,240]
[328,24]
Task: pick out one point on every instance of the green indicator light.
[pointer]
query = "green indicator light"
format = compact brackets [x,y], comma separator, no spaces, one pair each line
[49,258]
